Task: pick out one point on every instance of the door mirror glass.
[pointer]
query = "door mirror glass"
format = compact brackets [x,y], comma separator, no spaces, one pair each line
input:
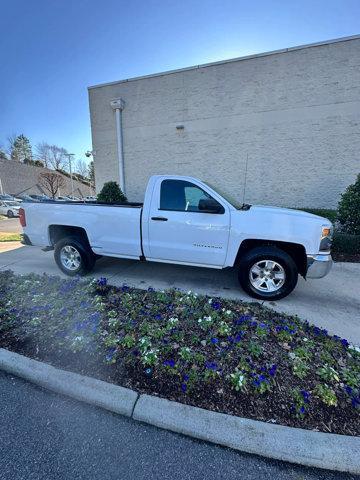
[209,205]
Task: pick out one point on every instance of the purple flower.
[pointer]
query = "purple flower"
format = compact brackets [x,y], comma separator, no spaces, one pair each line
[211,365]
[186,378]
[302,409]
[214,340]
[102,282]
[242,319]
[238,337]
[184,387]
[157,316]
[216,305]
[306,395]
[169,363]
[344,343]
[125,288]
[272,370]
[260,379]
[110,355]
[348,390]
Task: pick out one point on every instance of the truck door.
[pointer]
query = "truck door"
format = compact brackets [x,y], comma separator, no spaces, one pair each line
[179,228]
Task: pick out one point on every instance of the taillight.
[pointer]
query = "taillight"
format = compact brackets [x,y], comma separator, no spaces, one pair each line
[22,217]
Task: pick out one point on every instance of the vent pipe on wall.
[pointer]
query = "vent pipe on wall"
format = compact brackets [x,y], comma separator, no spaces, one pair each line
[118,104]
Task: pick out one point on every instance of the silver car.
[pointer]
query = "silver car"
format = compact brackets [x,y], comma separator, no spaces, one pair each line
[10,209]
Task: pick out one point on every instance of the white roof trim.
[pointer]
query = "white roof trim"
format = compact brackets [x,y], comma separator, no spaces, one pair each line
[221,62]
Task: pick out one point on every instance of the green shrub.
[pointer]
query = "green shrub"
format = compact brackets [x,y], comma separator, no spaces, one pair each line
[111,193]
[343,243]
[323,212]
[349,208]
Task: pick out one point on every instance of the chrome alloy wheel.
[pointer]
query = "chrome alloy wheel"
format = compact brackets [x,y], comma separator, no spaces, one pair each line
[267,276]
[70,257]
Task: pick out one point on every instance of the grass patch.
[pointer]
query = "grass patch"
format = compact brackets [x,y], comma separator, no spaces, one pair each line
[217,354]
[9,237]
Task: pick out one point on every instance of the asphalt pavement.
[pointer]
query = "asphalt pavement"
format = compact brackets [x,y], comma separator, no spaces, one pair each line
[48,436]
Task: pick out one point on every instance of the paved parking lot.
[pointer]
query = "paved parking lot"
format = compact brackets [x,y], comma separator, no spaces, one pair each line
[46,436]
[332,302]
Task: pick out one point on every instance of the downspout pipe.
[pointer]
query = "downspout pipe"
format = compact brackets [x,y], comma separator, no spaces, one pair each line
[118,104]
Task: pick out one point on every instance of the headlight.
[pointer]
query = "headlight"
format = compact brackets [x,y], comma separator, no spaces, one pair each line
[326,238]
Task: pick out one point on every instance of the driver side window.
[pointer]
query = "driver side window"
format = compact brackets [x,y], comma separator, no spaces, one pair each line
[181,196]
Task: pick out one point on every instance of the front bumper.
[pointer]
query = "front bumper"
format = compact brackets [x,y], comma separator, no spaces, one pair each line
[318,265]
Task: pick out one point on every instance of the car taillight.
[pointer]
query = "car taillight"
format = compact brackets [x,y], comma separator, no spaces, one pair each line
[22,217]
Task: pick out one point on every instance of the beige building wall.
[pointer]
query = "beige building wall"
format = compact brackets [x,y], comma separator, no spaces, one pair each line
[294,113]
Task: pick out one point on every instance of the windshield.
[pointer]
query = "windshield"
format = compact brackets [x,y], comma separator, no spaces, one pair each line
[229,198]
[11,204]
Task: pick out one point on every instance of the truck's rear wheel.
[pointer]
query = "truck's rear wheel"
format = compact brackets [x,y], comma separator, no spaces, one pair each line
[267,273]
[73,256]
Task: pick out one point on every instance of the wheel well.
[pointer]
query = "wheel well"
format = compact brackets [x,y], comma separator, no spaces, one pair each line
[295,250]
[57,232]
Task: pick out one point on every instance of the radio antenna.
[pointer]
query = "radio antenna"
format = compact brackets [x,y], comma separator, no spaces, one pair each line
[246,167]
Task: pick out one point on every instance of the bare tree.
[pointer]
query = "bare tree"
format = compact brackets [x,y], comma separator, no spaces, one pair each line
[52,156]
[42,153]
[10,143]
[82,168]
[3,155]
[51,182]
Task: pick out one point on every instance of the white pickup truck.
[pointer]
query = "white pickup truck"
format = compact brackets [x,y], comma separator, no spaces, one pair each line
[187,222]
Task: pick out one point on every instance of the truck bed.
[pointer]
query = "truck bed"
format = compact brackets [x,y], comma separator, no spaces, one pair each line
[112,230]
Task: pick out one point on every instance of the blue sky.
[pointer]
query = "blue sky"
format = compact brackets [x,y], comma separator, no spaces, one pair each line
[51,50]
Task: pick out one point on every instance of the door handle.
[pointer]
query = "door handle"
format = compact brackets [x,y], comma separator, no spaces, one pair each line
[159,219]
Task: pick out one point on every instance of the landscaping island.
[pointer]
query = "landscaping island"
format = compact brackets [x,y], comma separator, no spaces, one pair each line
[222,355]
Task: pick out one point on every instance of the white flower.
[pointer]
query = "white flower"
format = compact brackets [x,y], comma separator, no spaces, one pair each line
[355,348]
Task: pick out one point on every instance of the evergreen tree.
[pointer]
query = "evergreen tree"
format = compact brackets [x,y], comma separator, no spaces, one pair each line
[349,208]
[111,193]
[21,149]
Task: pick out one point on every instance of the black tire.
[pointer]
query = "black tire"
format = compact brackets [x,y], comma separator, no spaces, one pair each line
[287,269]
[10,214]
[84,256]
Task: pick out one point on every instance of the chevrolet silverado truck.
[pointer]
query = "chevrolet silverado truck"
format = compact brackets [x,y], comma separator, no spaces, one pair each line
[186,221]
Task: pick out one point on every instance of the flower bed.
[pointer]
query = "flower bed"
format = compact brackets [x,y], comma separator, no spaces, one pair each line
[217,354]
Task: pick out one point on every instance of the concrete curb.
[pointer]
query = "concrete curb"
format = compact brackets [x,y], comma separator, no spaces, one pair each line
[295,445]
[86,389]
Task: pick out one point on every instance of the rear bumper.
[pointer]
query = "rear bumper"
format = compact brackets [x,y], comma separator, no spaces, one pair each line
[24,239]
[318,265]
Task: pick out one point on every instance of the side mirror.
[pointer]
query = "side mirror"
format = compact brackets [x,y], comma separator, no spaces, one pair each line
[209,205]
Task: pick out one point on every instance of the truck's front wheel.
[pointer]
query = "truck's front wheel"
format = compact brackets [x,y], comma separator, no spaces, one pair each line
[267,273]
[73,257]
